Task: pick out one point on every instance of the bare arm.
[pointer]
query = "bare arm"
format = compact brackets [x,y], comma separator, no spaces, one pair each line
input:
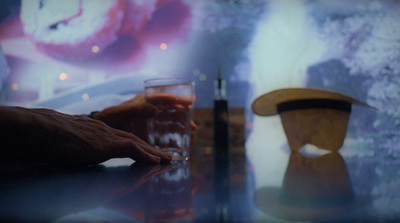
[48,136]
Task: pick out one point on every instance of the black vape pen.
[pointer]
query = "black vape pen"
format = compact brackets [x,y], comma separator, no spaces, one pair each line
[221,150]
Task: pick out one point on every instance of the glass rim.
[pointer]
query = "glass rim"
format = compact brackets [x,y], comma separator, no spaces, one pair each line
[166,82]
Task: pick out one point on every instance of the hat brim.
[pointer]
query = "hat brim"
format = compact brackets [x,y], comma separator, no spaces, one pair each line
[266,105]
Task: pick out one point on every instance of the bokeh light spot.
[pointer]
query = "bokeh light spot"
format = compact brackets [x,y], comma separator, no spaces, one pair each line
[95,49]
[196,72]
[85,97]
[14,86]
[63,76]
[163,46]
[202,77]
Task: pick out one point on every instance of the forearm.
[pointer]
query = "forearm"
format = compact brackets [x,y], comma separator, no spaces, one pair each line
[10,116]
[49,136]
[26,132]
[14,122]
[14,126]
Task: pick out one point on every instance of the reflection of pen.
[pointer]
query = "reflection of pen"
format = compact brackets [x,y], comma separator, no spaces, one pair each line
[221,149]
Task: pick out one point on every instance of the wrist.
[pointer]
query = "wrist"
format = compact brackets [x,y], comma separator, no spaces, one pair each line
[92,114]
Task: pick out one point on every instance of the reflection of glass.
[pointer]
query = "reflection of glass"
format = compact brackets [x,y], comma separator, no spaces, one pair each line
[313,188]
[165,197]
[169,195]
[170,128]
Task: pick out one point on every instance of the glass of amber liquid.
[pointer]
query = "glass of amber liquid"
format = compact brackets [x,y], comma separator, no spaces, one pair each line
[170,128]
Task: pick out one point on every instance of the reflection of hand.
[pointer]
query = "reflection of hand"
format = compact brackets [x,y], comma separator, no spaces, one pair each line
[130,116]
[116,182]
[145,172]
[113,183]
[76,191]
[50,136]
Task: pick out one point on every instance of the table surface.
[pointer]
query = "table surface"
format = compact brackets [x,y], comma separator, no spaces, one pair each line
[296,186]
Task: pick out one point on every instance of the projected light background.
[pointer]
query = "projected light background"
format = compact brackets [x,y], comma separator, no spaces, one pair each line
[80,55]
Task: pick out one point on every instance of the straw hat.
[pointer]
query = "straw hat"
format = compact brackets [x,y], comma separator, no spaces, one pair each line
[267,104]
[309,116]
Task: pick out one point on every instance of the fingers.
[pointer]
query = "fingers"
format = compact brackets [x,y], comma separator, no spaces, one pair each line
[167,98]
[193,125]
[132,146]
[149,109]
[128,148]
[165,157]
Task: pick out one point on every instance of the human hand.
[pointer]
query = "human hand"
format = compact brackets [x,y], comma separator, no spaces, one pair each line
[49,136]
[131,116]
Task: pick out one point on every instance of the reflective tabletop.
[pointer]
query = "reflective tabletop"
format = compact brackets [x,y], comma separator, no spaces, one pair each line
[286,187]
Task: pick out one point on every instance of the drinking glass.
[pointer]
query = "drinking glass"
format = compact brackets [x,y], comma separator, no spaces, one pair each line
[170,128]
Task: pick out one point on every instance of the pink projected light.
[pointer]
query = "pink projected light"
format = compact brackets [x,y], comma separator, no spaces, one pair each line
[64,45]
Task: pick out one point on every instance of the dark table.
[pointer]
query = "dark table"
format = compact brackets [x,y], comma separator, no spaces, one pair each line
[260,184]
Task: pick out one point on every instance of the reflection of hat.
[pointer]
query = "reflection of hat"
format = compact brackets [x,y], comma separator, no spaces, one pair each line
[309,115]
[313,188]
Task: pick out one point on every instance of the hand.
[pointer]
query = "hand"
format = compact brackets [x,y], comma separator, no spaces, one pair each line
[131,116]
[49,136]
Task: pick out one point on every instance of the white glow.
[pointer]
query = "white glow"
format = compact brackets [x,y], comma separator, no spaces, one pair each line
[283,47]
[85,97]
[81,26]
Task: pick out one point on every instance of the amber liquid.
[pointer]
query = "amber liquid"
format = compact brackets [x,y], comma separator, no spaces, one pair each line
[170,129]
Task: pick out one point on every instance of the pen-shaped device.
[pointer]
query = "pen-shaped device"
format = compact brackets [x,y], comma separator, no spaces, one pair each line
[221,116]
[221,150]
